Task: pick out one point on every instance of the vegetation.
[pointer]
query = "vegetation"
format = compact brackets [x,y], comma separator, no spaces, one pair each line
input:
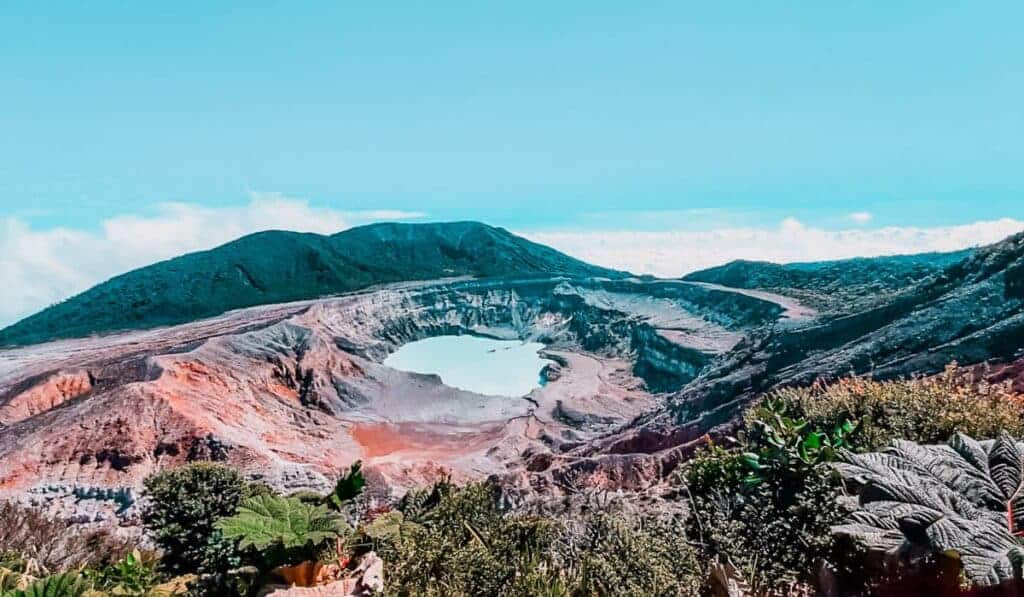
[33,543]
[762,506]
[452,541]
[458,541]
[277,267]
[833,488]
[286,530]
[846,285]
[964,501]
[184,506]
[929,410]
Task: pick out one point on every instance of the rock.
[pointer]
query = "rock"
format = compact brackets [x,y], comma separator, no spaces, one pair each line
[294,393]
[367,579]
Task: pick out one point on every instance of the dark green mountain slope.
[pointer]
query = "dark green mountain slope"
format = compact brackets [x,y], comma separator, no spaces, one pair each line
[842,286]
[971,312]
[274,267]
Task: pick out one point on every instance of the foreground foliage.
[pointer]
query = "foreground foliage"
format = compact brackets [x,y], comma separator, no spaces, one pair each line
[929,410]
[185,504]
[459,541]
[800,500]
[764,506]
[963,500]
[51,545]
[451,541]
[270,520]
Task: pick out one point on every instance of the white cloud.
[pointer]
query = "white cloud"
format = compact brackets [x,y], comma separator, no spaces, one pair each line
[40,267]
[674,253]
[386,214]
[861,217]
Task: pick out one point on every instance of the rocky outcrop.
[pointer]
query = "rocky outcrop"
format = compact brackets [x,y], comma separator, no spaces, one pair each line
[42,394]
[294,393]
[969,313]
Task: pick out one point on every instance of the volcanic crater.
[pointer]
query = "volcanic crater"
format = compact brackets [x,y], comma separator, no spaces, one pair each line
[293,393]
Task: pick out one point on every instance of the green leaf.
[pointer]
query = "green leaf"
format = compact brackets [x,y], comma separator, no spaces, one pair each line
[751,460]
[957,499]
[348,486]
[68,584]
[268,520]
[813,440]
[386,527]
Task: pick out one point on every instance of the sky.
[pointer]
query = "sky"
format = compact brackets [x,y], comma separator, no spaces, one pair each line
[659,136]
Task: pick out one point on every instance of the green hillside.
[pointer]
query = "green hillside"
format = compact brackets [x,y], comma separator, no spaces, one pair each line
[844,286]
[273,267]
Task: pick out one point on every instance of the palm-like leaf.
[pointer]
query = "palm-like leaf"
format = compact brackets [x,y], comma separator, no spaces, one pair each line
[267,520]
[963,499]
[59,585]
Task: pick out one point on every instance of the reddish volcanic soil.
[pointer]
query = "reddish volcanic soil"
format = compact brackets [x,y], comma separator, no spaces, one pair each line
[295,393]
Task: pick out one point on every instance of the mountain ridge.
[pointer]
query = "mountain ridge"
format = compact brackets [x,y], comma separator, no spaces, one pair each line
[841,285]
[278,266]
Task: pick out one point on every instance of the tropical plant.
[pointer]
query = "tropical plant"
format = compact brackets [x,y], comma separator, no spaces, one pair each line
[927,410]
[348,487]
[270,521]
[766,504]
[607,554]
[68,584]
[184,503]
[782,448]
[459,541]
[134,574]
[964,500]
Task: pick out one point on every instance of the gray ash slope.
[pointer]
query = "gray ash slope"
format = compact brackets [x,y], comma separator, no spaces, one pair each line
[276,267]
[295,390]
[971,311]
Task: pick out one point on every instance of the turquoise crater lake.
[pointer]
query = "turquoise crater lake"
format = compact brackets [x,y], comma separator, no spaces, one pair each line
[481,365]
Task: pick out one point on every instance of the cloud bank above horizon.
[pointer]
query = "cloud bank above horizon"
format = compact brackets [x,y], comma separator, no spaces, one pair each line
[675,253]
[39,267]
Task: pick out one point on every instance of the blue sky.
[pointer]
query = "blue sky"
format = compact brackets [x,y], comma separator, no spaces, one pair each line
[531,115]
[544,117]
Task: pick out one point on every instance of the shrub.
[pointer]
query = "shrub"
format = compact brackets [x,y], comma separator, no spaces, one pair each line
[454,541]
[184,504]
[964,500]
[766,505]
[618,554]
[928,410]
[134,574]
[773,539]
[781,449]
[283,530]
[53,544]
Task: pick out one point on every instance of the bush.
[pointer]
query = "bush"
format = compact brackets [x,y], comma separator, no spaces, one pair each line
[184,504]
[767,505]
[134,574]
[452,541]
[53,544]
[773,542]
[282,530]
[611,554]
[929,410]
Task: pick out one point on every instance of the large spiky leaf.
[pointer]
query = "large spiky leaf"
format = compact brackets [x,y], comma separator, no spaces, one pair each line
[58,585]
[348,486]
[962,500]
[267,520]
